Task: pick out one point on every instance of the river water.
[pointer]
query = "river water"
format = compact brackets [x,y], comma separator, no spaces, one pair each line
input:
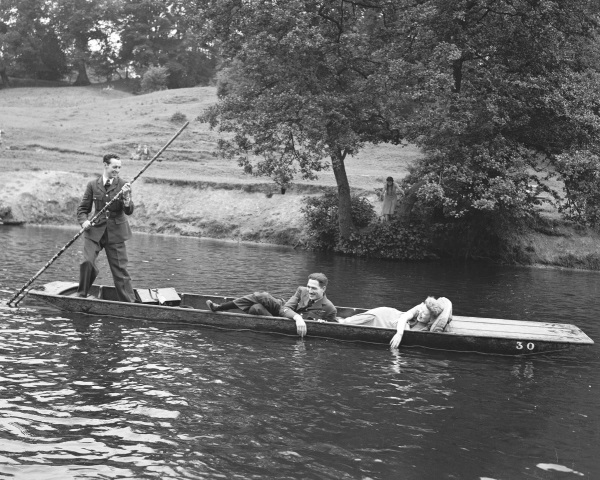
[83,397]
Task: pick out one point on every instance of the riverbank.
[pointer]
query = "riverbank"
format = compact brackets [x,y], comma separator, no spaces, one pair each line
[53,140]
[252,211]
[223,210]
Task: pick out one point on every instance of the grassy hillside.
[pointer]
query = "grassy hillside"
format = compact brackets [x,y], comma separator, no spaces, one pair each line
[70,128]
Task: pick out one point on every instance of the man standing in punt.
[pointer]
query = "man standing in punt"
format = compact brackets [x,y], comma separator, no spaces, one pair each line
[109,231]
[308,302]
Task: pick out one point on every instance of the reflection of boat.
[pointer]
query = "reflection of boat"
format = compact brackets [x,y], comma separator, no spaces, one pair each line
[467,334]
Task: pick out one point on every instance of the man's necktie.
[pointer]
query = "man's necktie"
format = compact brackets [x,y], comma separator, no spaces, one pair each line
[107,185]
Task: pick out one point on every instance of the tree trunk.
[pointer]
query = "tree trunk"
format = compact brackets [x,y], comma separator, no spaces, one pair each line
[346,225]
[82,76]
[457,74]
[3,74]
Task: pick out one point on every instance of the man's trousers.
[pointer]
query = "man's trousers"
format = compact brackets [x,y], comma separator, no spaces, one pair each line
[116,253]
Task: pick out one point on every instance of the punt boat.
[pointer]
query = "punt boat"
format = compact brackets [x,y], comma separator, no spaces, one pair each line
[466,334]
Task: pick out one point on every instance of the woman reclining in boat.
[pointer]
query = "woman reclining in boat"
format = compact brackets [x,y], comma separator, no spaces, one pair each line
[432,314]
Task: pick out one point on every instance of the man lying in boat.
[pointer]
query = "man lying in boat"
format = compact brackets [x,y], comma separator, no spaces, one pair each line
[308,302]
[433,315]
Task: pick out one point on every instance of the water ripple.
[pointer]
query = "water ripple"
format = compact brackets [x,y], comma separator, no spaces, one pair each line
[89,397]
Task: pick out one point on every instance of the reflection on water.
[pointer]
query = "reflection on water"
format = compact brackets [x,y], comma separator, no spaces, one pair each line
[89,397]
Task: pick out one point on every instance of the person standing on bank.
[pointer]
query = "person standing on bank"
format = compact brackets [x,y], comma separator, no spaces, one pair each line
[109,232]
[390,192]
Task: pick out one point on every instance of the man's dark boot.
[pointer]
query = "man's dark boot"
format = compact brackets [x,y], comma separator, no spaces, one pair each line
[212,306]
[87,274]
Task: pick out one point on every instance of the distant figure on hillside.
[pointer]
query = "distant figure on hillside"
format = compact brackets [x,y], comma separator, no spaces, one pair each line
[138,152]
[145,152]
[390,197]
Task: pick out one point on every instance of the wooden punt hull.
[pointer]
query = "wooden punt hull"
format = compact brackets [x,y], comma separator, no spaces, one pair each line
[467,334]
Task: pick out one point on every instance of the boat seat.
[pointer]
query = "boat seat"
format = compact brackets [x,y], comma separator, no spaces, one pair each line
[167,297]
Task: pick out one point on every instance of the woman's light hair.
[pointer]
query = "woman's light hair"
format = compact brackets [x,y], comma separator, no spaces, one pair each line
[433,306]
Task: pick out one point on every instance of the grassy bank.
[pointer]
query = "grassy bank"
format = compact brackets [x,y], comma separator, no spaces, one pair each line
[70,128]
[54,137]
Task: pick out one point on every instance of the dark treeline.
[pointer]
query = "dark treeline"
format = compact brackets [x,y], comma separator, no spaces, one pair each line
[47,40]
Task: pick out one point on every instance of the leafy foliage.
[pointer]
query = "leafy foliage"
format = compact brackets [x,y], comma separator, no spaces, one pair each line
[178,117]
[39,37]
[28,45]
[482,238]
[78,24]
[155,79]
[492,91]
[53,59]
[321,215]
[301,91]
[503,90]
[167,33]
[580,172]
[105,61]
[391,240]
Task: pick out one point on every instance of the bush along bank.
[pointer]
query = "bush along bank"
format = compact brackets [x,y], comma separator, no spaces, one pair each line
[532,240]
[389,240]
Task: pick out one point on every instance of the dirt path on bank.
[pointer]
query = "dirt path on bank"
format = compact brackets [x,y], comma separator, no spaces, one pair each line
[203,209]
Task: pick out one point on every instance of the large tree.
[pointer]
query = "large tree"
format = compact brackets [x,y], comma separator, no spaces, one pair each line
[301,90]
[28,42]
[505,88]
[167,33]
[490,89]
[80,22]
